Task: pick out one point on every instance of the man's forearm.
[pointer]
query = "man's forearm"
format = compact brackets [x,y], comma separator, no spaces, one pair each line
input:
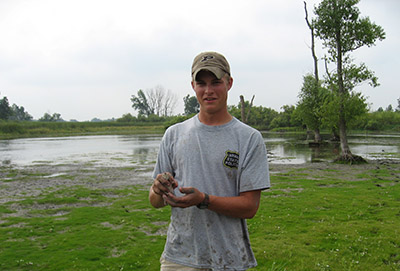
[244,206]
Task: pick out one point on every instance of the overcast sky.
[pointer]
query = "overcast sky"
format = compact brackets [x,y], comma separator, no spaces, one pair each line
[85,58]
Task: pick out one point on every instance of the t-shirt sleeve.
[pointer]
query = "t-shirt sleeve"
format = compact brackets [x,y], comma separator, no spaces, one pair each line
[163,163]
[255,169]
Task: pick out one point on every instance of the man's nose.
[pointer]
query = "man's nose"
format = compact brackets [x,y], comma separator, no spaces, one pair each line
[209,89]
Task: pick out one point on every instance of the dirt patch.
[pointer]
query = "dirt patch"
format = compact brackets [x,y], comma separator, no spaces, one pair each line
[31,181]
[17,184]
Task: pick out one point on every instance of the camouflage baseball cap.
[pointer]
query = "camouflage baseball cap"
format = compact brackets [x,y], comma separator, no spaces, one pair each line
[210,61]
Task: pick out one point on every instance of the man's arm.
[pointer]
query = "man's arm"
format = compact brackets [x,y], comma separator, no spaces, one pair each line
[243,206]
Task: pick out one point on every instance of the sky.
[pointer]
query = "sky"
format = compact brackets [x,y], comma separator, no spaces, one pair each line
[84,59]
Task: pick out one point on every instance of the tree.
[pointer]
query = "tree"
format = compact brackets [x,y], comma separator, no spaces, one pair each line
[389,108]
[260,116]
[310,106]
[339,25]
[192,106]
[245,117]
[398,105]
[18,113]
[156,101]
[127,118]
[311,95]
[141,104]
[5,110]
[54,117]
[314,55]
[286,118]
[355,108]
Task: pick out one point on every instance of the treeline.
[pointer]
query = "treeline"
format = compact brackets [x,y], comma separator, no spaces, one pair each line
[262,118]
[289,119]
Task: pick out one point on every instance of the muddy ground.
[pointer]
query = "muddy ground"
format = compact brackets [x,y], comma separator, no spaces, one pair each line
[18,183]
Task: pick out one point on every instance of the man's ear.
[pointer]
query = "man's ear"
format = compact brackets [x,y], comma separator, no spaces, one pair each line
[192,84]
[230,83]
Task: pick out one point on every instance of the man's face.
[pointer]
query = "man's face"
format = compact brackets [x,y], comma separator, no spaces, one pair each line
[212,93]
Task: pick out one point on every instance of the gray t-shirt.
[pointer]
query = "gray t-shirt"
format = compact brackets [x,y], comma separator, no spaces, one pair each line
[222,161]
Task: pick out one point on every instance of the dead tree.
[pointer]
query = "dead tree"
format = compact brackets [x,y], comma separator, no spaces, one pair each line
[317,134]
[245,117]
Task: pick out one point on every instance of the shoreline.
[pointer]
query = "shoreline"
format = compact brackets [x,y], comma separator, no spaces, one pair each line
[18,183]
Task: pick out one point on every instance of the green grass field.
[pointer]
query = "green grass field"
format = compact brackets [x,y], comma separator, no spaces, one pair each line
[321,218]
[11,130]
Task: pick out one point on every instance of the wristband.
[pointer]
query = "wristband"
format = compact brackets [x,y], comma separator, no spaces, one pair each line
[204,204]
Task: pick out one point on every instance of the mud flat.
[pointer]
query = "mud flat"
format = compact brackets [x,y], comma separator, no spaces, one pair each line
[87,215]
[17,183]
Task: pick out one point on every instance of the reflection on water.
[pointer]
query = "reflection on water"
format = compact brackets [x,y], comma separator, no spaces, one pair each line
[295,149]
[100,150]
[142,149]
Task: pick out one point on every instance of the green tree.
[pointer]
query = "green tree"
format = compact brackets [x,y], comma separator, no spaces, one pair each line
[5,110]
[286,118]
[192,106]
[156,101]
[355,108]
[18,113]
[127,118]
[339,25]
[54,117]
[141,104]
[260,117]
[310,106]
[383,120]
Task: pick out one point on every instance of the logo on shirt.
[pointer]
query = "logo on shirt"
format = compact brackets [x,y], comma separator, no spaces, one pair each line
[231,159]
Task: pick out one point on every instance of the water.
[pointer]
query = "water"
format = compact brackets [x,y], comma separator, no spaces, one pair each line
[129,150]
[97,150]
[295,149]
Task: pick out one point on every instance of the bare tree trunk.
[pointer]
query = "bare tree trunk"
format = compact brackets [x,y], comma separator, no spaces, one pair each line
[242,108]
[317,134]
[245,117]
[248,110]
[344,146]
[346,154]
[312,45]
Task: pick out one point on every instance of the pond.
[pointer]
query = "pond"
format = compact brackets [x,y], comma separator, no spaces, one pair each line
[128,150]
[295,149]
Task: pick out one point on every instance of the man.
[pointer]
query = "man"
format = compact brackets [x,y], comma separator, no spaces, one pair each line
[210,170]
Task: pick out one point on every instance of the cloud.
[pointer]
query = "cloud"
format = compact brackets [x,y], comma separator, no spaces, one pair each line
[85,58]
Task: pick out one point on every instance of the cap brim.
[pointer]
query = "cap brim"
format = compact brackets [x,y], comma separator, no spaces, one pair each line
[215,70]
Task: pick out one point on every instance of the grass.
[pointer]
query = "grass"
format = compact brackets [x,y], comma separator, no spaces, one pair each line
[329,224]
[11,130]
[309,220]
[88,230]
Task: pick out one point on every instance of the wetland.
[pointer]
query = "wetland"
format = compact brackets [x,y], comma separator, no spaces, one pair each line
[80,203]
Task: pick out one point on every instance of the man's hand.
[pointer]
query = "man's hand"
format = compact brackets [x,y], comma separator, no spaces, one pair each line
[163,184]
[192,197]
[244,206]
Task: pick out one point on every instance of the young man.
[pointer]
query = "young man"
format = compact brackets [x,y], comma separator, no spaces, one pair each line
[210,170]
